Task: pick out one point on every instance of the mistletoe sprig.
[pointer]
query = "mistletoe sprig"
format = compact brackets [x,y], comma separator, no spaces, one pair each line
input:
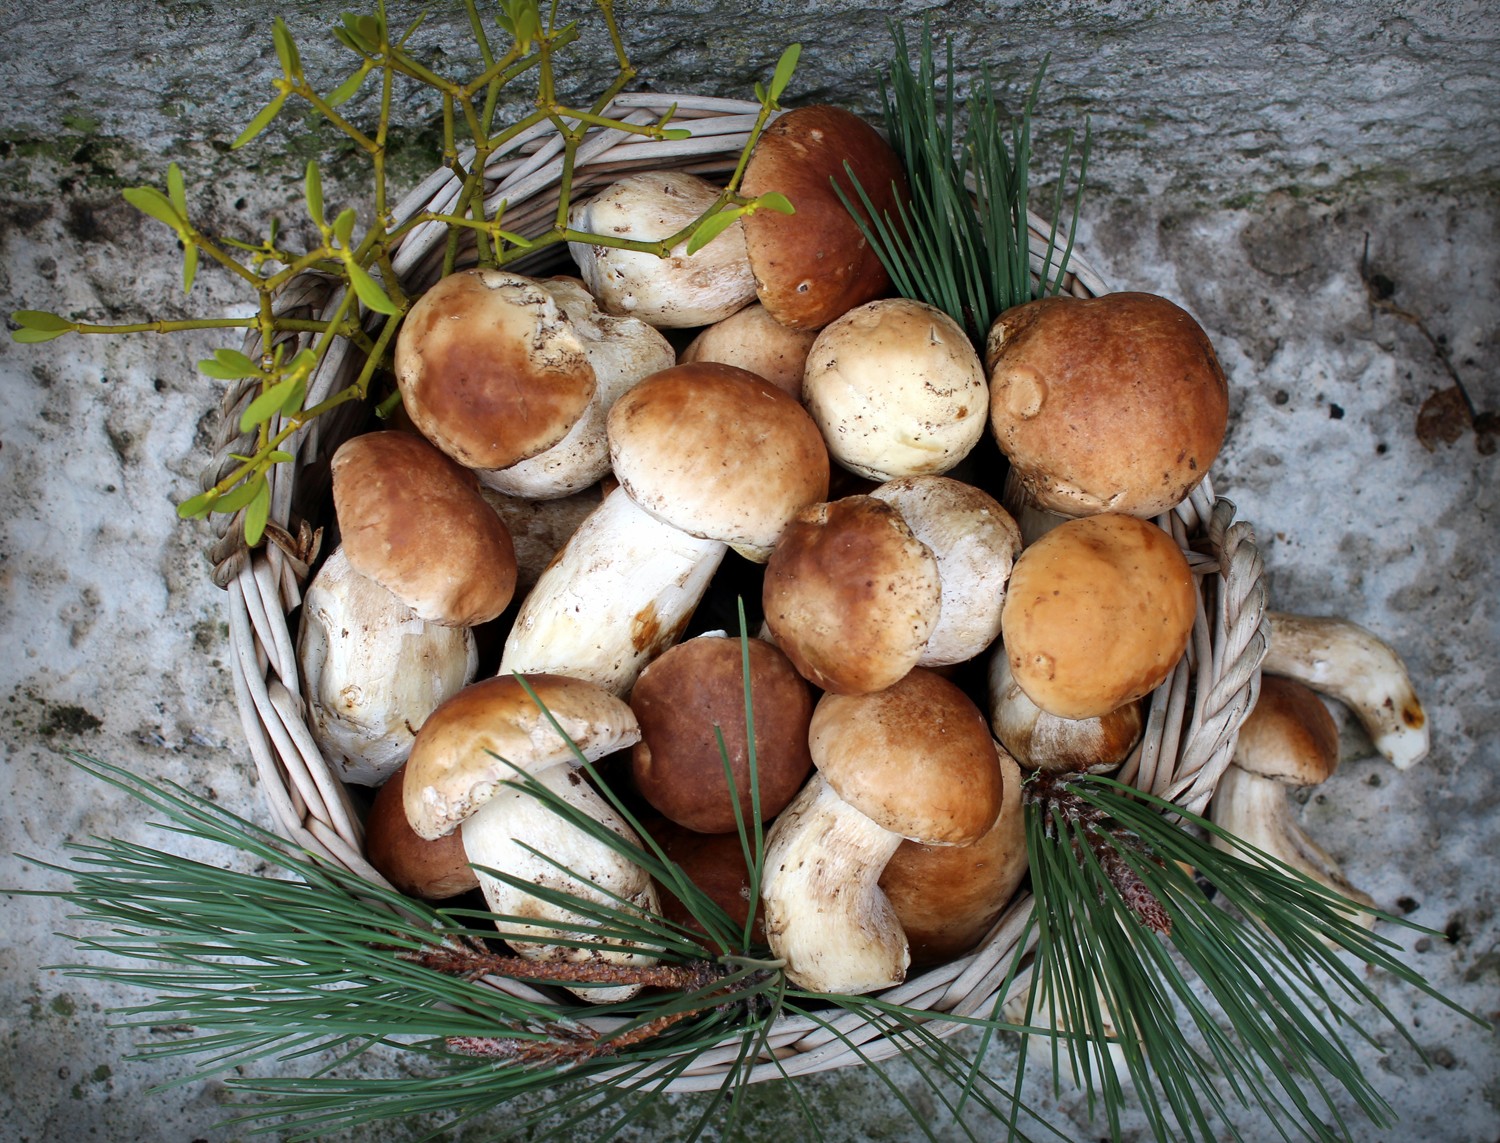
[526,43]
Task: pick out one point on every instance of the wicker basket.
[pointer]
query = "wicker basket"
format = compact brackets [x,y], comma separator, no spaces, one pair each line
[1193,717]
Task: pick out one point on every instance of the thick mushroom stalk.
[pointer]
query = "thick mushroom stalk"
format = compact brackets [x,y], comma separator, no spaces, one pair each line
[825,913]
[1360,670]
[516,834]
[1289,739]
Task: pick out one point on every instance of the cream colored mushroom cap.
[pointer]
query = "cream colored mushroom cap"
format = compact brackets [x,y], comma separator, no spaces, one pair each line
[476,740]
[897,389]
[1288,736]
[1097,614]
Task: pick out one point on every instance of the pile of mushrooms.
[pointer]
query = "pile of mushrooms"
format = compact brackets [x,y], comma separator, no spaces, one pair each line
[575,501]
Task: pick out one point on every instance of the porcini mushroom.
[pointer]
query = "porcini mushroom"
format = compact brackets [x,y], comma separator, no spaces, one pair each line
[752,339]
[461,772]
[1042,741]
[681,290]
[690,697]
[1288,740]
[372,671]
[975,543]
[415,523]
[491,369]
[813,265]
[851,595]
[1097,613]
[913,761]
[1109,404]
[430,870]
[948,896]
[897,389]
[1345,661]
[708,456]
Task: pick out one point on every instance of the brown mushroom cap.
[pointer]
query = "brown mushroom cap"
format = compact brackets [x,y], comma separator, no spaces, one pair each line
[1042,741]
[851,595]
[814,265]
[415,523]
[1289,735]
[719,453]
[477,739]
[948,896]
[915,758]
[431,870]
[491,369]
[1097,614]
[681,698]
[1108,404]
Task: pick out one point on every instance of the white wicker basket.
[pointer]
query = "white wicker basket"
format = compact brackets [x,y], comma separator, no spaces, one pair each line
[1193,717]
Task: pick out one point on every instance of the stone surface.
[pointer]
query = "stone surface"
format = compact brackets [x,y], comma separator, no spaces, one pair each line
[1316,182]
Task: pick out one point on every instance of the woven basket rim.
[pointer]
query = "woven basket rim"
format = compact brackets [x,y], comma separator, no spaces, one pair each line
[1192,718]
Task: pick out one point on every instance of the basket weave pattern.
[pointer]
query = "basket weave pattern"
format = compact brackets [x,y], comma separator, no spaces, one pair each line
[1193,717]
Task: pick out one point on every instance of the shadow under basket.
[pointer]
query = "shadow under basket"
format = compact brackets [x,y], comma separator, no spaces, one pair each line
[1192,721]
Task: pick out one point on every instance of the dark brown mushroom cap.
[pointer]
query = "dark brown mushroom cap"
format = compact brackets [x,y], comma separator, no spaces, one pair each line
[715,863]
[718,452]
[491,369]
[851,595]
[948,896]
[1289,735]
[1109,404]
[814,265]
[681,698]
[414,522]
[430,870]
[915,758]
[1097,613]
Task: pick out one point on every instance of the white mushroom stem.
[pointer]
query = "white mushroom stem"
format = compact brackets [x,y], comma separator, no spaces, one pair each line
[1257,811]
[497,837]
[1360,670]
[825,913]
[372,671]
[619,593]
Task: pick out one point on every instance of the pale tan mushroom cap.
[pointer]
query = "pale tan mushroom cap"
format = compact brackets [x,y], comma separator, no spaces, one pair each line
[491,369]
[1289,735]
[915,758]
[752,339]
[681,290]
[897,389]
[414,522]
[851,595]
[461,754]
[814,265]
[1097,614]
[719,453]
[1108,404]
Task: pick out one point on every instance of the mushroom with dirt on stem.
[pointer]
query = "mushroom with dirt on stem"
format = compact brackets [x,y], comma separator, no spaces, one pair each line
[1289,740]
[463,774]
[914,761]
[1345,661]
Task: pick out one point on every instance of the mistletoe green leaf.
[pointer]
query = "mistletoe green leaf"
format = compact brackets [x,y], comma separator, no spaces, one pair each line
[369,290]
[343,227]
[785,66]
[199,505]
[258,513]
[189,267]
[345,91]
[38,326]
[713,226]
[775,200]
[175,189]
[313,184]
[241,494]
[228,365]
[286,49]
[260,122]
[150,201]
[284,396]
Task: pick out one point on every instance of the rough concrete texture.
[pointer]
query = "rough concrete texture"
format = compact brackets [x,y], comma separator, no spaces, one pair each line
[1279,169]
